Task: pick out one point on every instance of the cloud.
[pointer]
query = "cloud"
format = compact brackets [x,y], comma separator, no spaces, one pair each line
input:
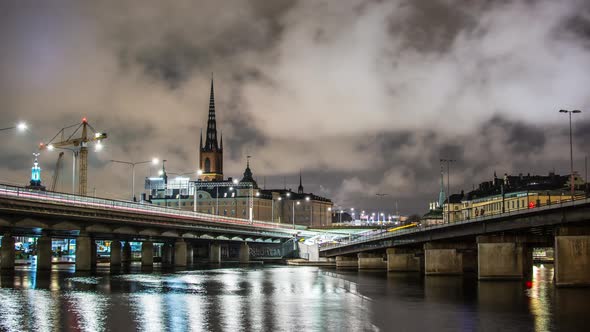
[364,96]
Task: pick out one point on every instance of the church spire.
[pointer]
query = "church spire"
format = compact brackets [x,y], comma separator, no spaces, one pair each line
[300,188]
[211,139]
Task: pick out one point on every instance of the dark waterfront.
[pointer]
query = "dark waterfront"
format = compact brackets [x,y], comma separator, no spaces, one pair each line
[279,298]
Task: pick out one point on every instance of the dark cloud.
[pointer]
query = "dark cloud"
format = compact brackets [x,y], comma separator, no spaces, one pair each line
[364,97]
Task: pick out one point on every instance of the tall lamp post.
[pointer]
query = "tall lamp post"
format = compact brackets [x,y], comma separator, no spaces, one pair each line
[571,150]
[21,126]
[154,161]
[294,212]
[196,193]
[448,161]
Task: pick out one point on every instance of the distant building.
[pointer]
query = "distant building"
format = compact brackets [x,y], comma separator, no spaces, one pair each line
[232,197]
[510,193]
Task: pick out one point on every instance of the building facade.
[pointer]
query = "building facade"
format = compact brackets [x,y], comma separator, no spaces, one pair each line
[511,193]
[232,197]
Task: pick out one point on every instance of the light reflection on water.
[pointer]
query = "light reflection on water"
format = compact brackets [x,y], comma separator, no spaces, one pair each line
[283,299]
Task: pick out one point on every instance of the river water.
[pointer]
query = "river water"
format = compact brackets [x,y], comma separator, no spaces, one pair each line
[283,298]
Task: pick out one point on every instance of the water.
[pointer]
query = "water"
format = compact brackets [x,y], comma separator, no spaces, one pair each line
[280,298]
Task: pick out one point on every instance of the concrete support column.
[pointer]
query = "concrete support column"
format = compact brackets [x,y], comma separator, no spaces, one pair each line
[371,261]
[215,253]
[126,255]
[83,253]
[115,253]
[503,257]
[7,252]
[44,253]
[572,256]
[347,262]
[403,260]
[166,254]
[244,253]
[147,253]
[93,252]
[180,253]
[449,258]
[189,254]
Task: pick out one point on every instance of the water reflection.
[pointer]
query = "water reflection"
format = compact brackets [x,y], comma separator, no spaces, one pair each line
[283,298]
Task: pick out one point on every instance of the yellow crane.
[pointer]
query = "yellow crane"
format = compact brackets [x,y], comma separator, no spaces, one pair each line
[80,142]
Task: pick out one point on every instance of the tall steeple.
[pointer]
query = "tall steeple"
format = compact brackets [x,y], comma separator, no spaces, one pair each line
[441,194]
[211,153]
[300,188]
[211,139]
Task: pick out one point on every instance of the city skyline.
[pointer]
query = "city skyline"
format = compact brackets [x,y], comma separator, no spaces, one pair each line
[351,95]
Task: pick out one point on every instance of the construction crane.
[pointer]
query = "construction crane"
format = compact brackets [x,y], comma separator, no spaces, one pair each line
[55,177]
[77,142]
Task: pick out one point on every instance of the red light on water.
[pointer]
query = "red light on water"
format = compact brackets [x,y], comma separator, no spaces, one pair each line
[528,284]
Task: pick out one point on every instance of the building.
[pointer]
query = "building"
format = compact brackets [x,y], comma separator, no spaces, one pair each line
[237,198]
[510,193]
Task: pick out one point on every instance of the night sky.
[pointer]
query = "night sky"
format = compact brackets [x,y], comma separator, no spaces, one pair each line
[363,97]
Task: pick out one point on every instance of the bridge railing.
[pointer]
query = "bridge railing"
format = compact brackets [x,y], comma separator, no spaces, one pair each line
[124,206]
[384,233]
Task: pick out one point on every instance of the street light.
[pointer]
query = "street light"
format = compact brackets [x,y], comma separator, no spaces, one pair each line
[294,212]
[133,164]
[448,161]
[21,126]
[571,150]
[196,193]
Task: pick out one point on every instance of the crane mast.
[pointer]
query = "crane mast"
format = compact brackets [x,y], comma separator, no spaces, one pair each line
[81,143]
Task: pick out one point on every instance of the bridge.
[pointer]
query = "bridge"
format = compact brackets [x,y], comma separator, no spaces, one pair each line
[495,246]
[47,215]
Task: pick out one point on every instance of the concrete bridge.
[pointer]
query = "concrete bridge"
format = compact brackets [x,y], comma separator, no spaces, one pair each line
[496,247]
[184,234]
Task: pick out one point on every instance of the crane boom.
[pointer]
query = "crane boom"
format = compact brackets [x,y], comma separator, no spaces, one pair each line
[81,143]
[56,172]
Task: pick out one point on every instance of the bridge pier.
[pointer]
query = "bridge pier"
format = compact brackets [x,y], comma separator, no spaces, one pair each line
[371,261]
[126,254]
[214,253]
[189,254]
[180,252]
[244,253]
[347,262]
[7,252]
[403,260]
[115,253]
[166,254]
[501,257]
[147,253]
[84,252]
[93,253]
[572,256]
[449,258]
[44,253]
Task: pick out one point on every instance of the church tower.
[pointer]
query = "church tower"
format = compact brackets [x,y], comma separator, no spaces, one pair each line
[211,154]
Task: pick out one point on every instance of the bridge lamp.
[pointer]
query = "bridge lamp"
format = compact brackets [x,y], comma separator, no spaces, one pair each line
[235,181]
[231,188]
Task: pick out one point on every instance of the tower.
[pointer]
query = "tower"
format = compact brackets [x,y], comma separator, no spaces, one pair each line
[211,154]
[300,188]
